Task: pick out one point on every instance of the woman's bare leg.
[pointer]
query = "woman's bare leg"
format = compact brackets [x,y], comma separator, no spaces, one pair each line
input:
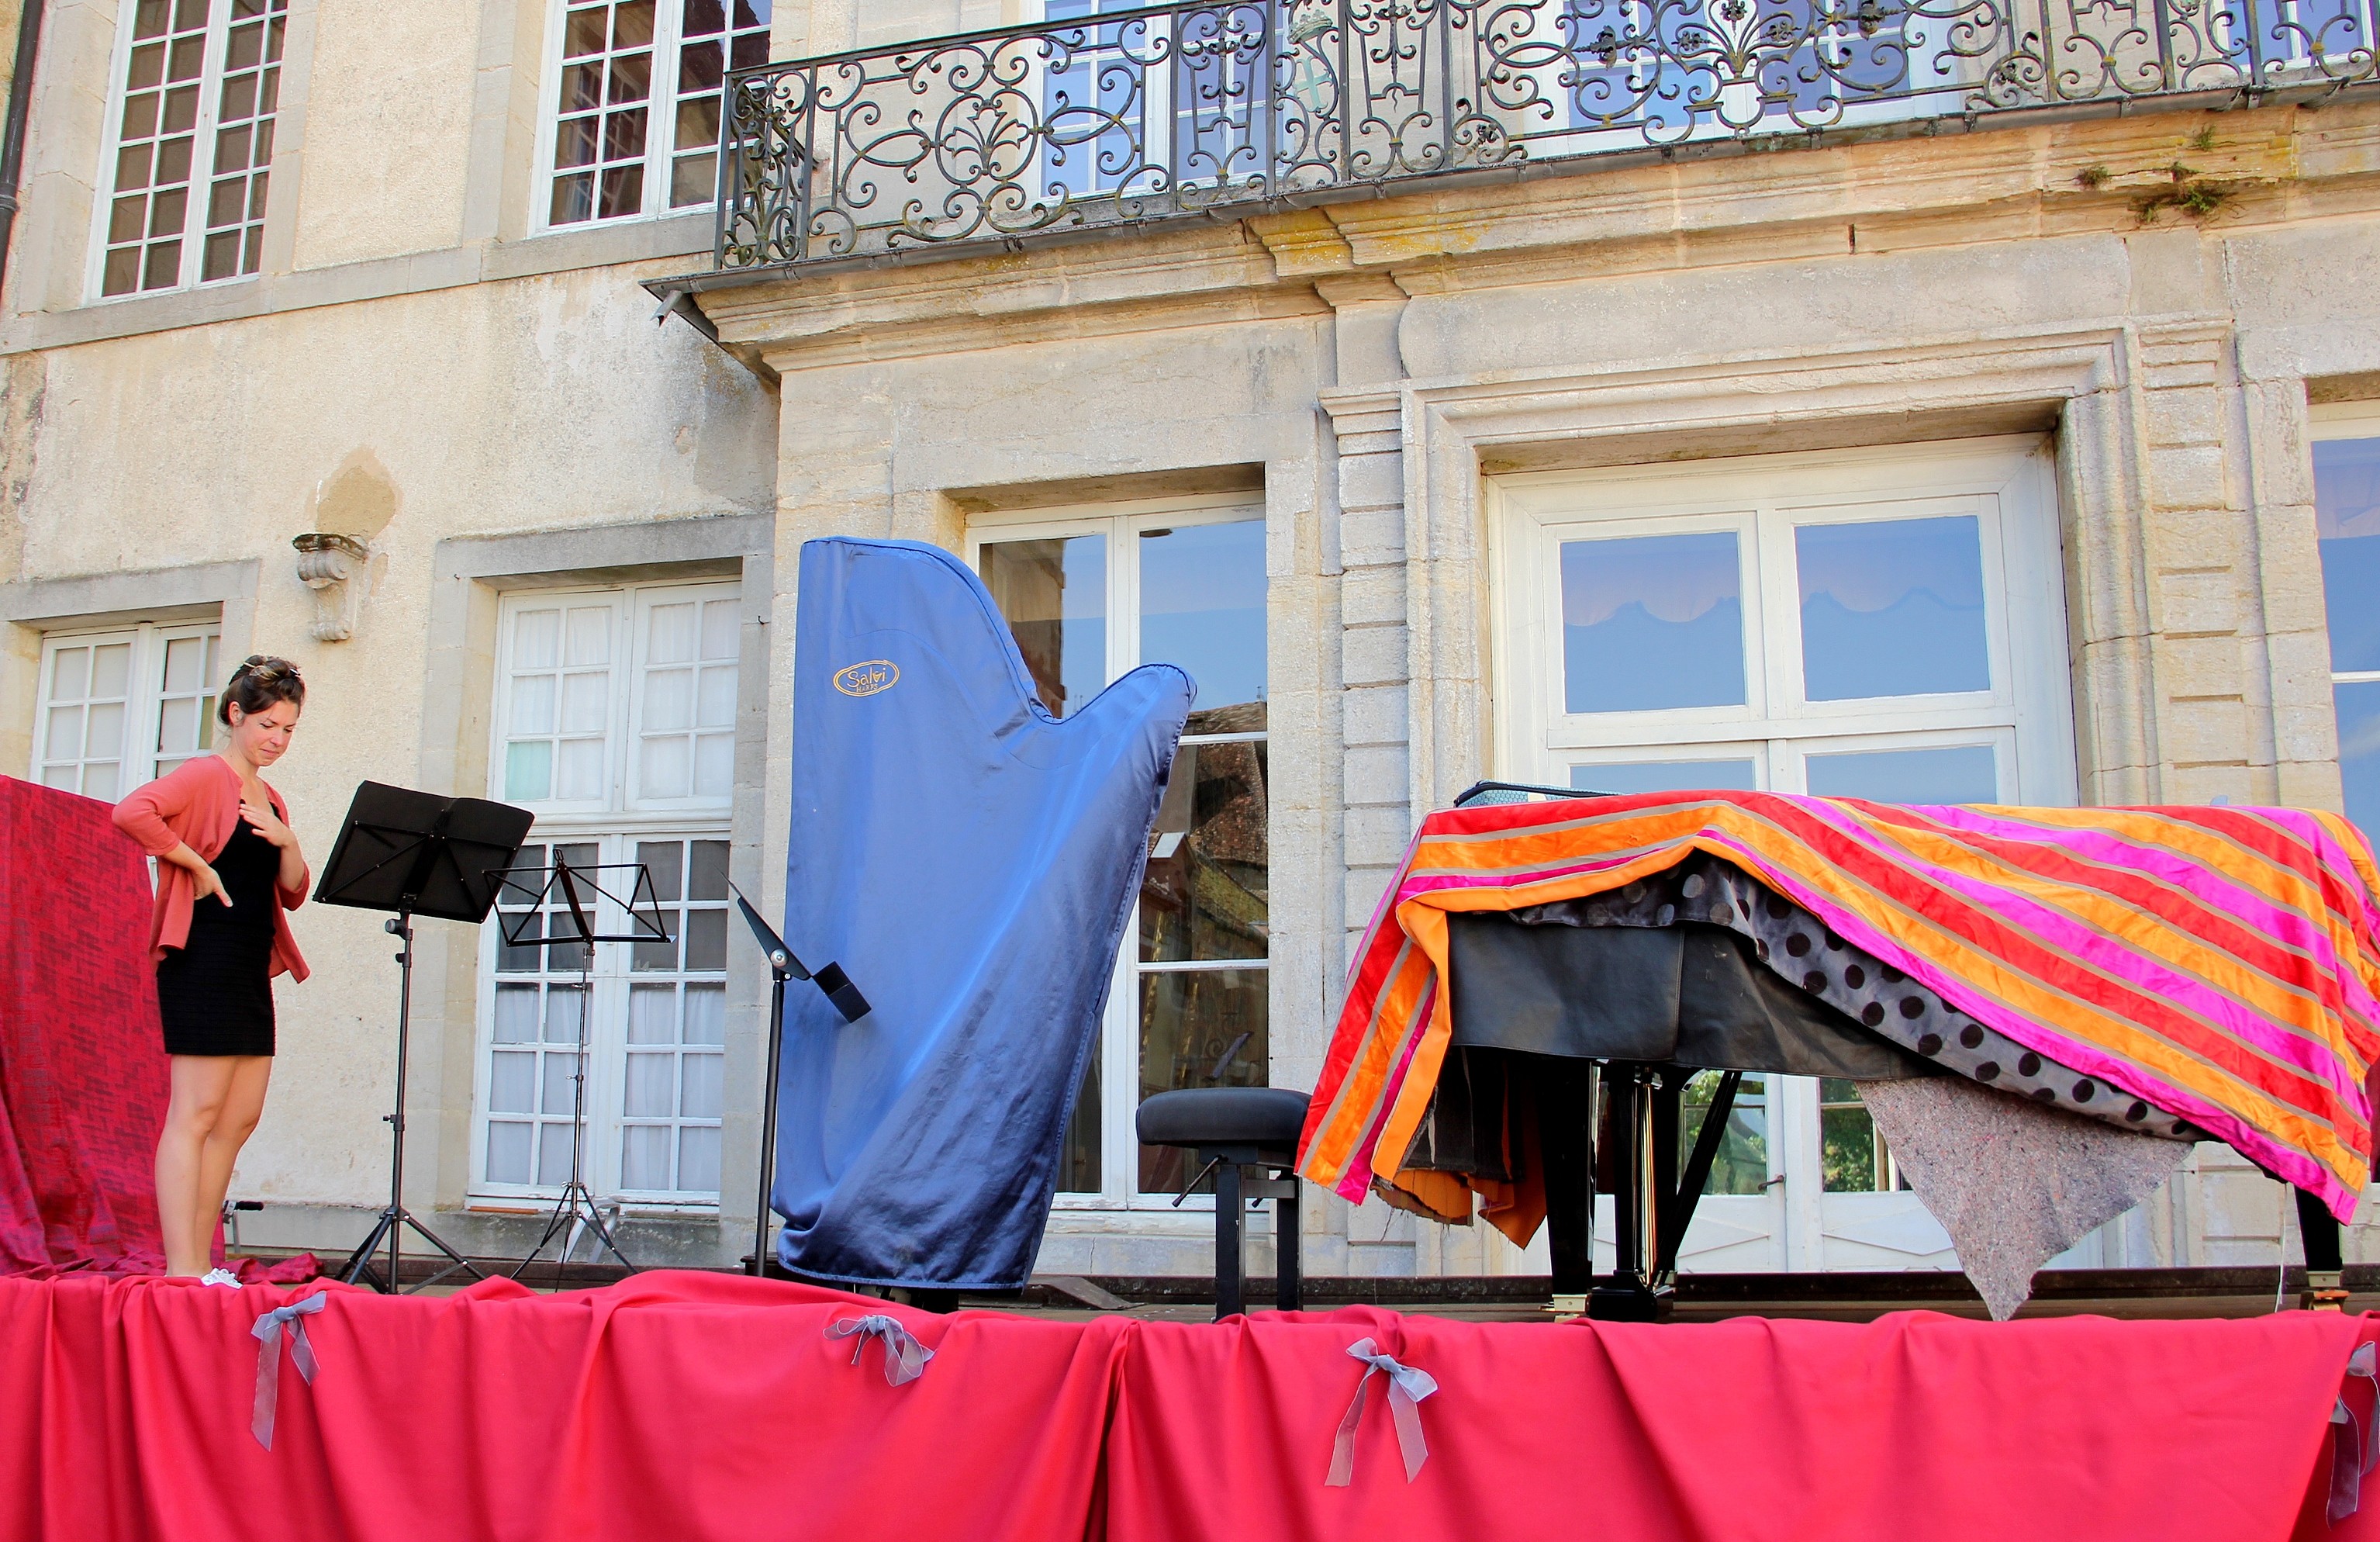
[243,1104]
[201,1084]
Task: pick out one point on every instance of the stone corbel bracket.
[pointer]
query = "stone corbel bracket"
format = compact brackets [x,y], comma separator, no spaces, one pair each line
[333,566]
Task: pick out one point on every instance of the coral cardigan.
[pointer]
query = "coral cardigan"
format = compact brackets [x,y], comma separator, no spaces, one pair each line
[198,805]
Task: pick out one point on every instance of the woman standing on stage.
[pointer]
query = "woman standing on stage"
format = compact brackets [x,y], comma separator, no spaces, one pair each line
[228,867]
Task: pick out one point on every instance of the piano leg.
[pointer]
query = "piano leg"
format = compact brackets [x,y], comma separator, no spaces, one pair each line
[2326,1286]
[1629,1295]
[1565,1094]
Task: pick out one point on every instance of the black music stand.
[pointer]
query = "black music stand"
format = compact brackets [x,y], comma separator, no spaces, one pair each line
[580,887]
[845,996]
[415,854]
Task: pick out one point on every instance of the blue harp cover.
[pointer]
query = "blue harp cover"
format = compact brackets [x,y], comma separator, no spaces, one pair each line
[971,862]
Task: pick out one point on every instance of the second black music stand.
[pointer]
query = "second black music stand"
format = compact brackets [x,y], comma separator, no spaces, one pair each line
[415,854]
[846,999]
[581,888]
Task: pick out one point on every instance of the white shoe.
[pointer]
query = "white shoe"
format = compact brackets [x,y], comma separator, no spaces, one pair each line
[220,1277]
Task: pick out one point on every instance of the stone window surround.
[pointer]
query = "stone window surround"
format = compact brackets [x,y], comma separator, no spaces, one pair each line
[50,304]
[469,575]
[30,607]
[1448,436]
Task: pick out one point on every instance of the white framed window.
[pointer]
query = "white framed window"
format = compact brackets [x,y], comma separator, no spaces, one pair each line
[631,123]
[189,149]
[1885,625]
[121,707]
[2347,521]
[1088,595]
[1888,624]
[614,723]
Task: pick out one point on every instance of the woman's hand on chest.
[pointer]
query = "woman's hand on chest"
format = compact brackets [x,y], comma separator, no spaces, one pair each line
[258,812]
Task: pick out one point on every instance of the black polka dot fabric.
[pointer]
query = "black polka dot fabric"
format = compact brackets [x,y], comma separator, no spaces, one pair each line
[1797,946]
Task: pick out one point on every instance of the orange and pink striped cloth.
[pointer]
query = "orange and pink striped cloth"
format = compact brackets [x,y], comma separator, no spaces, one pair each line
[2219,963]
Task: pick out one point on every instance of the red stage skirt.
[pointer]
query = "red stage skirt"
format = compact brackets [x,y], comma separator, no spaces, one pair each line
[695,1406]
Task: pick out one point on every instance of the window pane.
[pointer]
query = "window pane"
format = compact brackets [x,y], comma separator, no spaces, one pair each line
[554,1153]
[588,638]
[708,877]
[2358,752]
[558,1083]
[1853,1158]
[1205,894]
[103,731]
[70,674]
[644,1157]
[508,1153]
[1202,1027]
[666,768]
[706,1014]
[516,1014]
[704,1090]
[1741,1164]
[1202,606]
[529,771]
[509,1083]
[716,705]
[1892,607]
[1963,773]
[1664,776]
[1054,594]
[697,1161]
[1079,1167]
[537,639]
[111,669]
[580,775]
[652,1015]
[1652,622]
[182,661]
[2346,517]
[648,1091]
[533,704]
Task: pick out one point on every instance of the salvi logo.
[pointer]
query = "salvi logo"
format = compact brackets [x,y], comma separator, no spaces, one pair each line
[867,678]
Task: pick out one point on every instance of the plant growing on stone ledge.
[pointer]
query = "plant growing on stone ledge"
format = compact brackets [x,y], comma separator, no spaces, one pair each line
[2195,196]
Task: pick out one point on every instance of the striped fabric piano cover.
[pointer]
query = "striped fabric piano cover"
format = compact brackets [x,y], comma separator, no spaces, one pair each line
[2219,963]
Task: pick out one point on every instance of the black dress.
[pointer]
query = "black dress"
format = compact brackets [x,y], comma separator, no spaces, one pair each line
[215,991]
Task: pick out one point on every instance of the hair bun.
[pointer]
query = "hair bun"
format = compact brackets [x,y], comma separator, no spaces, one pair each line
[260,681]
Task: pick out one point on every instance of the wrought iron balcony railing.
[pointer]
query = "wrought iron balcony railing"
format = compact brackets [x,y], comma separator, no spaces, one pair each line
[1120,118]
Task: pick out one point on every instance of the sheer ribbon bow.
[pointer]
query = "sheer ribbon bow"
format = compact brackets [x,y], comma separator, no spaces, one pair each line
[1407,1386]
[268,1359]
[904,1357]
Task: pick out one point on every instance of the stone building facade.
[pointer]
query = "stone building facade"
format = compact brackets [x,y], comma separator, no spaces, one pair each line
[1409,395]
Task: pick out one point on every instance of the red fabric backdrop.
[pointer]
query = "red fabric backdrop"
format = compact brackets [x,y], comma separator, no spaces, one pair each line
[82,1061]
[696,1406]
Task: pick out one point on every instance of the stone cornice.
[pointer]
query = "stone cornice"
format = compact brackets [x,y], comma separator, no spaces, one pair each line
[2084,178]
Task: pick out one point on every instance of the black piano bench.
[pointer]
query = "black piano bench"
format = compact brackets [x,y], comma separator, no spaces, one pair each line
[1247,1135]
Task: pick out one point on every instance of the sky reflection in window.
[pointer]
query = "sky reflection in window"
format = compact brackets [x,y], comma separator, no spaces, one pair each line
[1664,776]
[1958,773]
[1651,622]
[1892,607]
[1202,606]
[2346,517]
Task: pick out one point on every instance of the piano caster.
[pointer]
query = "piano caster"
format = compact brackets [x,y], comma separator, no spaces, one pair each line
[2325,1293]
[1629,1301]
